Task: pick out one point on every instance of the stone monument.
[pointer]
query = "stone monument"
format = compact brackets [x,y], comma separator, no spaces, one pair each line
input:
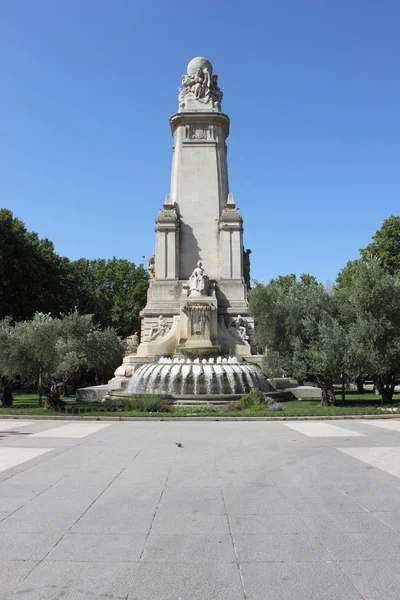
[197,303]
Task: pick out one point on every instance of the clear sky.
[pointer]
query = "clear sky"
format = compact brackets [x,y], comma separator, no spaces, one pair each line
[311,86]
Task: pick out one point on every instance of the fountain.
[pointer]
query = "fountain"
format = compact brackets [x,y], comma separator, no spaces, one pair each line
[200,378]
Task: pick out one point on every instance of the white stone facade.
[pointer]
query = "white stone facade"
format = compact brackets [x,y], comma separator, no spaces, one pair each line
[198,222]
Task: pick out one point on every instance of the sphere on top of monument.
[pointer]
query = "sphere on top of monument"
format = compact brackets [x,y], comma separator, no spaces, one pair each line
[199,63]
[200,91]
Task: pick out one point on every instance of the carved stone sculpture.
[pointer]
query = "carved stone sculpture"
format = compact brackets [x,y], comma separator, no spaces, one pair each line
[238,327]
[200,84]
[151,267]
[132,343]
[158,330]
[246,268]
[199,283]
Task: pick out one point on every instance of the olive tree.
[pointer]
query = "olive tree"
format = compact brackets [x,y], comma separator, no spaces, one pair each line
[50,350]
[298,325]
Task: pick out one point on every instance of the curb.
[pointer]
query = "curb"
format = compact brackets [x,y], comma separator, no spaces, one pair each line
[220,418]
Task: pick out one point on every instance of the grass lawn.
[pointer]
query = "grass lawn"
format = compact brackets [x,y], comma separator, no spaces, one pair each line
[355,404]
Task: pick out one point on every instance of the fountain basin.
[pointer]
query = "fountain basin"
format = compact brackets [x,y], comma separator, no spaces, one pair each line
[184,377]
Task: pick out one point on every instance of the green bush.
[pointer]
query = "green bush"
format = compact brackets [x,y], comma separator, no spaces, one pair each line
[253,398]
[145,403]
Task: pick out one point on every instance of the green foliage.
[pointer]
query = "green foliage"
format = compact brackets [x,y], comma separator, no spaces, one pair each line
[385,249]
[370,309]
[33,278]
[114,291]
[145,403]
[386,245]
[253,398]
[47,348]
[297,323]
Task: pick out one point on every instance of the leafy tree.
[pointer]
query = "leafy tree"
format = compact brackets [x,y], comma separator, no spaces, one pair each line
[385,248]
[32,276]
[370,311]
[49,350]
[113,291]
[386,245]
[297,323]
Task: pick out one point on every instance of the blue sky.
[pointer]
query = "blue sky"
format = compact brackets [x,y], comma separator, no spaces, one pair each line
[311,86]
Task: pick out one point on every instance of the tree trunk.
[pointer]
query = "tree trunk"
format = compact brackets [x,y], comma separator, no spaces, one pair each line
[385,387]
[6,395]
[360,385]
[328,394]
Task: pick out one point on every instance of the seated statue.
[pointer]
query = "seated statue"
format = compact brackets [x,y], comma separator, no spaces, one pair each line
[158,330]
[132,343]
[198,281]
[238,325]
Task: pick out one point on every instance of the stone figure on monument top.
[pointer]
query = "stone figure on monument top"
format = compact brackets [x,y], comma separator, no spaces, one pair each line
[200,84]
[199,283]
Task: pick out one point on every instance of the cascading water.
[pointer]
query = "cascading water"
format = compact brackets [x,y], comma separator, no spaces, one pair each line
[182,376]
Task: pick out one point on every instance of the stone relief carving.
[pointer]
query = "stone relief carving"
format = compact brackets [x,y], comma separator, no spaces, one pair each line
[238,328]
[132,343]
[160,329]
[199,320]
[151,266]
[199,283]
[202,86]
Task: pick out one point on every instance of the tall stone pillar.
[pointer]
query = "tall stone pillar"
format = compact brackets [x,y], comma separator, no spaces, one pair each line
[199,224]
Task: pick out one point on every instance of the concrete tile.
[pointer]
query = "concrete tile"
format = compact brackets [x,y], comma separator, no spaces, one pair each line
[268,524]
[27,546]
[356,522]
[90,547]
[299,547]
[12,424]
[389,518]
[23,521]
[379,502]
[74,430]
[101,518]
[255,501]
[12,574]
[77,581]
[188,548]
[170,581]
[12,457]
[386,458]
[374,580]
[64,500]
[186,523]
[294,581]
[320,429]
[318,504]
[192,500]
[361,546]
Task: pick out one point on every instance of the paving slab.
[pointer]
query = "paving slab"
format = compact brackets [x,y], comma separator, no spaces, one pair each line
[252,510]
[171,581]
[297,581]
[77,581]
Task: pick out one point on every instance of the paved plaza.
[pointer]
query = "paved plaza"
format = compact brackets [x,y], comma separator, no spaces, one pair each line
[243,510]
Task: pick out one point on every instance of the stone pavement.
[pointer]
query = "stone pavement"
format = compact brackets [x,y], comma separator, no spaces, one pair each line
[244,510]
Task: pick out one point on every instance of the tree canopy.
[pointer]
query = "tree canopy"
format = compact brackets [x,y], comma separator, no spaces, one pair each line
[33,278]
[114,291]
[46,348]
[385,248]
[298,326]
